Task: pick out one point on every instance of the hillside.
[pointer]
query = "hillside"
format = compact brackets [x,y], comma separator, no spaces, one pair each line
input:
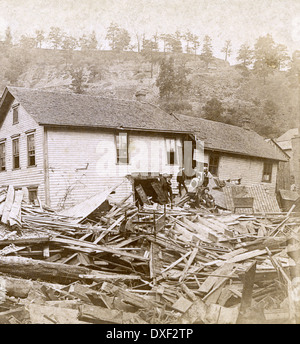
[122,74]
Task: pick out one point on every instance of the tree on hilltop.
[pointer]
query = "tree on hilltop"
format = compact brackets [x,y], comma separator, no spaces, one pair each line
[207,54]
[245,54]
[227,49]
[119,38]
[55,37]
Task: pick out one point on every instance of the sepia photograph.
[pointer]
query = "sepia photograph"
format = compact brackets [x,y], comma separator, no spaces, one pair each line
[150,164]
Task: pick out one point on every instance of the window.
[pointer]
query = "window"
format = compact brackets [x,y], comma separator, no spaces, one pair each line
[122,148]
[32,195]
[213,164]
[267,172]
[171,151]
[16,154]
[15,115]
[2,156]
[31,150]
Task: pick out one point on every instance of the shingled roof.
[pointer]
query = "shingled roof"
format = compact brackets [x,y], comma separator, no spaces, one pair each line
[230,138]
[69,109]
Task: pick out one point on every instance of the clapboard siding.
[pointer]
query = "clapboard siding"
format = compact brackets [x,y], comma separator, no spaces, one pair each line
[82,163]
[25,176]
[250,170]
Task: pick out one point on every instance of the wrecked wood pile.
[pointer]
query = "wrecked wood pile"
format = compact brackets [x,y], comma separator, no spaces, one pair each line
[117,264]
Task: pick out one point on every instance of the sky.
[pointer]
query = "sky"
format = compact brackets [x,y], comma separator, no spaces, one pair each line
[240,21]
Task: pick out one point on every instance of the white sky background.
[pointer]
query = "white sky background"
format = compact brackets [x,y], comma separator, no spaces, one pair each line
[239,20]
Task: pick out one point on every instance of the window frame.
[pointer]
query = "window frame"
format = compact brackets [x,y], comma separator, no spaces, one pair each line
[28,151]
[213,167]
[2,158]
[30,190]
[15,155]
[169,151]
[267,171]
[118,150]
[15,114]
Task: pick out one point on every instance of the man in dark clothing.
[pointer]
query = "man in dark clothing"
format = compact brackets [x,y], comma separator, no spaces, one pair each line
[181,177]
[167,187]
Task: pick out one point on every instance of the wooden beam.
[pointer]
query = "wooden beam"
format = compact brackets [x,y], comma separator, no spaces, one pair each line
[249,279]
[102,235]
[188,264]
[96,248]
[171,266]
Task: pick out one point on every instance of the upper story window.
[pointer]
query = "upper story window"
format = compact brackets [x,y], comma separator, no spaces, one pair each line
[31,149]
[16,153]
[213,164]
[16,115]
[267,172]
[171,151]
[122,148]
[2,157]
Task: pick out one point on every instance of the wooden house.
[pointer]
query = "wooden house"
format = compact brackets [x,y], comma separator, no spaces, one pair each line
[236,154]
[289,143]
[65,147]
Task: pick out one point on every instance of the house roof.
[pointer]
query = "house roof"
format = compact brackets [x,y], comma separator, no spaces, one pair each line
[74,110]
[232,139]
[69,109]
[288,135]
[285,140]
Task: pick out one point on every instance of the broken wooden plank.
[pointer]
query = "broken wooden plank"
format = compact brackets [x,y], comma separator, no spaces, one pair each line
[20,313]
[14,217]
[171,266]
[196,312]
[182,304]
[207,285]
[81,210]
[8,204]
[99,277]
[96,248]
[101,315]
[249,279]
[130,298]
[102,235]
[188,264]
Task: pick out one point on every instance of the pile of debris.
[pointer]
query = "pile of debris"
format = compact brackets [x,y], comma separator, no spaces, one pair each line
[156,264]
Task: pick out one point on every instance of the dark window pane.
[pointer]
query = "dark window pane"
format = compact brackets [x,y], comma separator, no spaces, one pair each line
[16,158]
[15,115]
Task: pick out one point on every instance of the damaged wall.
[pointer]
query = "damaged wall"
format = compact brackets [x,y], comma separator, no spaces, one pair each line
[82,163]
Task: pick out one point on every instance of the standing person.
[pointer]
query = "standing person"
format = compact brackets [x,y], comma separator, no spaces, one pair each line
[206,176]
[181,177]
[167,186]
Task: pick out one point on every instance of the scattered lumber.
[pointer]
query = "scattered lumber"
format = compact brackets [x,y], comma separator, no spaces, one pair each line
[116,263]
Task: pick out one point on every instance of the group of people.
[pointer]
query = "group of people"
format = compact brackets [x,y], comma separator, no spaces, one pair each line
[199,190]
